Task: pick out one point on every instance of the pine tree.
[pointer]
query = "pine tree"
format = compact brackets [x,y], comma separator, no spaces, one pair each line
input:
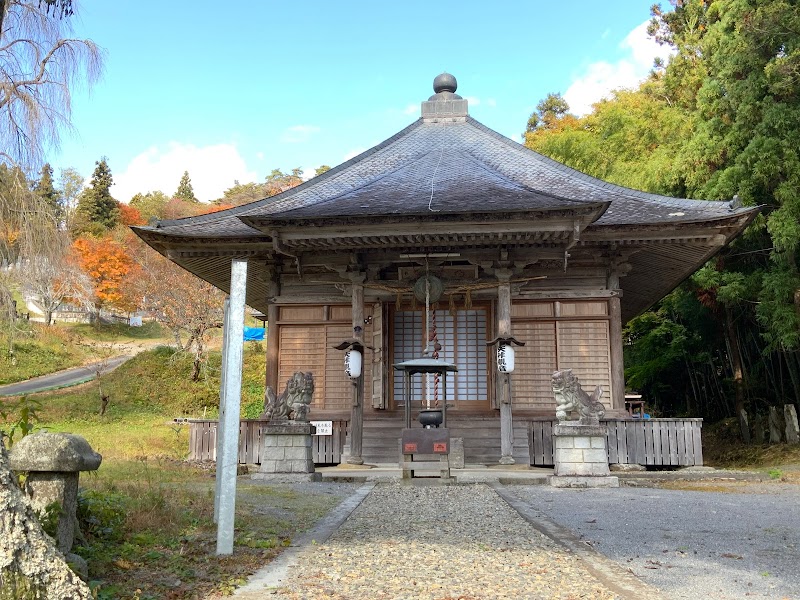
[97,211]
[45,189]
[185,191]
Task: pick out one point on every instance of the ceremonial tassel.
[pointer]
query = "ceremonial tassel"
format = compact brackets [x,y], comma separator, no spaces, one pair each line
[398,303]
[468,300]
[413,302]
[451,308]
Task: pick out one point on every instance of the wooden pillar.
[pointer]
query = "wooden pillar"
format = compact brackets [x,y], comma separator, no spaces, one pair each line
[504,379]
[271,374]
[357,408]
[615,341]
[230,404]
[273,344]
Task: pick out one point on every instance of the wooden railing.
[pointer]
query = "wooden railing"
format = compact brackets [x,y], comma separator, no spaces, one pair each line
[668,442]
[326,449]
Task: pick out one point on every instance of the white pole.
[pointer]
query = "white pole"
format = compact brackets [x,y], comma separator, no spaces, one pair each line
[230,409]
[220,418]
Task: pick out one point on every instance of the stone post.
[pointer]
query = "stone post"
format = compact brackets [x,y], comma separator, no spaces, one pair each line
[286,453]
[580,456]
[53,462]
[792,429]
[30,565]
[774,426]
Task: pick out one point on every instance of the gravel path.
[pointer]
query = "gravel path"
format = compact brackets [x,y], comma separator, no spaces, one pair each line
[739,542]
[439,543]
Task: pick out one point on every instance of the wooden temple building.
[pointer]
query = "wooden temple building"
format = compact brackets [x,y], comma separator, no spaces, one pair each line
[510,243]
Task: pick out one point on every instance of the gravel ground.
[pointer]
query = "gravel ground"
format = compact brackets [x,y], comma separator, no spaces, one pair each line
[439,543]
[736,542]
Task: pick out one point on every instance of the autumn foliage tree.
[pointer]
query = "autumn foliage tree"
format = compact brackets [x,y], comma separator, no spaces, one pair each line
[106,262]
[185,304]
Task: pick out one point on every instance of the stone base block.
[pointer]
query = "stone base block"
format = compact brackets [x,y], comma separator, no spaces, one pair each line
[286,477]
[584,482]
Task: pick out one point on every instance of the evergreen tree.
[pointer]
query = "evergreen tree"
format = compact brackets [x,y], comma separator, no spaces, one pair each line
[45,189]
[97,210]
[185,191]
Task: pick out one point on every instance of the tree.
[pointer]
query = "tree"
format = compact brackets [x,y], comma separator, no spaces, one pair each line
[97,211]
[45,189]
[70,185]
[278,182]
[40,66]
[550,114]
[321,169]
[106,262]
[182,302]
[185,191]
[150,205]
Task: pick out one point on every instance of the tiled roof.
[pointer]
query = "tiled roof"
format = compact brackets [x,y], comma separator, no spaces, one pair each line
[450,166]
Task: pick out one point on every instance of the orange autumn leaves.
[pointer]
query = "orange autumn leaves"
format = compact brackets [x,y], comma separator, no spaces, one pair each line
[108,264]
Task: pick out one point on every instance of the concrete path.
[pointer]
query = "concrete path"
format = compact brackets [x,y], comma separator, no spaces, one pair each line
[63,378]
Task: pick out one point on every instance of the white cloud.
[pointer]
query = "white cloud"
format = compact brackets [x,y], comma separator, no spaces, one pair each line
[212,170]
[516,137]
[411,109]
[298,134]
[472,100]
[600,78]
[491,102]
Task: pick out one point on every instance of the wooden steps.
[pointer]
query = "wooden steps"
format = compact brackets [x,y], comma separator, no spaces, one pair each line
[481,435]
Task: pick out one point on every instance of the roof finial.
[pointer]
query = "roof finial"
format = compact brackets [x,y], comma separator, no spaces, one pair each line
[445,83]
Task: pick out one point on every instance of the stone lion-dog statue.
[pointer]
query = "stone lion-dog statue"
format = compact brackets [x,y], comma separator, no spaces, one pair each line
[570,398]
[293,404]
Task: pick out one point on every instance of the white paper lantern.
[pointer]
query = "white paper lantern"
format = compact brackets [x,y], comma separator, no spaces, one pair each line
[505,358]
[352,364]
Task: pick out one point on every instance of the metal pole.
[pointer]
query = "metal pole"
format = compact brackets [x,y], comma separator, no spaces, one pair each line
[220,418]
[228,462]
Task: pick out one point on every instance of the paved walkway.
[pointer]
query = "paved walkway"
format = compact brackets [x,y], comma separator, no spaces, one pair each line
[426,541]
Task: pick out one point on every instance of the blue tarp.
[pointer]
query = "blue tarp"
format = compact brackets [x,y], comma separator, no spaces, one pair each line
[253,334]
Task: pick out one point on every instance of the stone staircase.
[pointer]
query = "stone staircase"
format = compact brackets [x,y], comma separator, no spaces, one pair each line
[481,435]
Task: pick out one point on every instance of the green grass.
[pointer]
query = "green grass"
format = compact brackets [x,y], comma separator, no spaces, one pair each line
[145,394]
[39,350]
[117,332]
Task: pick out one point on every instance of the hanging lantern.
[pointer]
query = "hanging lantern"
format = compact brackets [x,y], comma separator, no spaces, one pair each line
[505,358]
[353,363]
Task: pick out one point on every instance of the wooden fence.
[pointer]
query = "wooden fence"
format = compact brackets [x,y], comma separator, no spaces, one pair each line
[326,449]
[667,442]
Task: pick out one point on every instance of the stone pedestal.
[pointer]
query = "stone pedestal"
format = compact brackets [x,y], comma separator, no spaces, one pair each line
[580,456]
[286,454]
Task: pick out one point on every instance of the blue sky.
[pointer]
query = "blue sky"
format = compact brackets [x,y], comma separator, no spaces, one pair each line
[232,93]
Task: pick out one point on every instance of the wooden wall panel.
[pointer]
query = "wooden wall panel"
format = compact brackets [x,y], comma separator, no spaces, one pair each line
[583,347]
[584,309]
[302,348]
[338,387]
[532,309]
[301,313]
[535,363]
[343,313]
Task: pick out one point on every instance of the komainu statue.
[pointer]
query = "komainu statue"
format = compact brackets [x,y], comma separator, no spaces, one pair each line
[571,397]
[293,403]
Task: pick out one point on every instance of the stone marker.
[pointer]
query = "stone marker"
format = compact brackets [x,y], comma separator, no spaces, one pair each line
[774,426]
[30,564]
[53,462]
[758,429]
[792,429]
